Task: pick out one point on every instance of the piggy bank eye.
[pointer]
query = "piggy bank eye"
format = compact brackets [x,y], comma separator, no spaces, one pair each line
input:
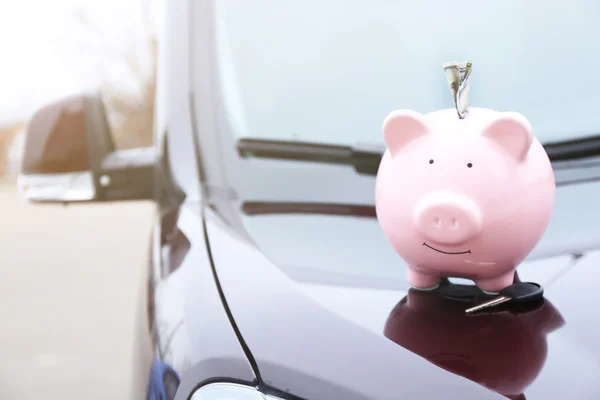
[469,165]
[430,161]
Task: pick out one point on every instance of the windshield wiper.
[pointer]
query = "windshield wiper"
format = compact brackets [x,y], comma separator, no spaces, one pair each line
[277,207]
[574,149]
[364,158]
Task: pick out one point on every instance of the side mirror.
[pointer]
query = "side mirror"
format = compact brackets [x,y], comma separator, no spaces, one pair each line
[69,156]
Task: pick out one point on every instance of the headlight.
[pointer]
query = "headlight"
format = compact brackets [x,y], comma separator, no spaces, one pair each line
[229,391]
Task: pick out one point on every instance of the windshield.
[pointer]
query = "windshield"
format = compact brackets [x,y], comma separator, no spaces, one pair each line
[330,71]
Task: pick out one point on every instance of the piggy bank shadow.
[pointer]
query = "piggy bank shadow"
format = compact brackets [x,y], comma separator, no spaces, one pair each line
[503,351]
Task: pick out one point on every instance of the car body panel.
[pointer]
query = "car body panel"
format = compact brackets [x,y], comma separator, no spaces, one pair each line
[185,327]
[338,271]
[181,321]
[310,351]
[173,121]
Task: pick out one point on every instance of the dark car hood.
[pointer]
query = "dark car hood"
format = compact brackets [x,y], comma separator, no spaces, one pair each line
[337,258]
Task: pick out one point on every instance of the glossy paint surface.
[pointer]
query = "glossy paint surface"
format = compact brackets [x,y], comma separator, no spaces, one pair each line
[308,278]
[304,348]
[181,324]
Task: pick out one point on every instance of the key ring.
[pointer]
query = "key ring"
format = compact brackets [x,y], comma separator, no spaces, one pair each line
[457,75]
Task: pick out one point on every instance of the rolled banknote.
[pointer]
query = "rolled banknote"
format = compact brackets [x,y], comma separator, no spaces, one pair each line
[457,75]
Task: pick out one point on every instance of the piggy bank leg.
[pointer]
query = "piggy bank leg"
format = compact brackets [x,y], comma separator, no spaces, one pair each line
[495,285]
[422,281]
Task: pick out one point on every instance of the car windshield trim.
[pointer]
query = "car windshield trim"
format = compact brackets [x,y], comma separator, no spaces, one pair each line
[365,158]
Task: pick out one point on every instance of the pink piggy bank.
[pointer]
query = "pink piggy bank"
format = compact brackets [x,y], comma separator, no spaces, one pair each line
[466,198]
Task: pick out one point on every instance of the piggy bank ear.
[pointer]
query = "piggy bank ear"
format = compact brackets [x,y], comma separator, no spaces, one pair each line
[512,131]
[402,126]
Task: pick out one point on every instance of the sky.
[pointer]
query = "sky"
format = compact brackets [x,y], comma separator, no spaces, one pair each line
[48,52]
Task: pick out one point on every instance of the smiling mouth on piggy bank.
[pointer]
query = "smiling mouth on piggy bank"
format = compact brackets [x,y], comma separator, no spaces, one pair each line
[446,252]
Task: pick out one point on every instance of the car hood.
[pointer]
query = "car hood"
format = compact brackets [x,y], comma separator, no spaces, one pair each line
[336,258]
[520,354]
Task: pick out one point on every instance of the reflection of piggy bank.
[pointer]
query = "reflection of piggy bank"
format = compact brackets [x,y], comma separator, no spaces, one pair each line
[466,198]
[504,351]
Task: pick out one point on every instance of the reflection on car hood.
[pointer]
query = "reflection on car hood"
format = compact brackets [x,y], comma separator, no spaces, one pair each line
[344,264]
[530,348]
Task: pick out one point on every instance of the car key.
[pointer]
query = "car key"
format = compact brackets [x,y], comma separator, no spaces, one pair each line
[518,293]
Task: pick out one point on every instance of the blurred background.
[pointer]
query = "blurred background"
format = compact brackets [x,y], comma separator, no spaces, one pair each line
[61,336]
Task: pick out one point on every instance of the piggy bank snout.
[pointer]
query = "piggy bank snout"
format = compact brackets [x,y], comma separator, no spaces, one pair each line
[447,218]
